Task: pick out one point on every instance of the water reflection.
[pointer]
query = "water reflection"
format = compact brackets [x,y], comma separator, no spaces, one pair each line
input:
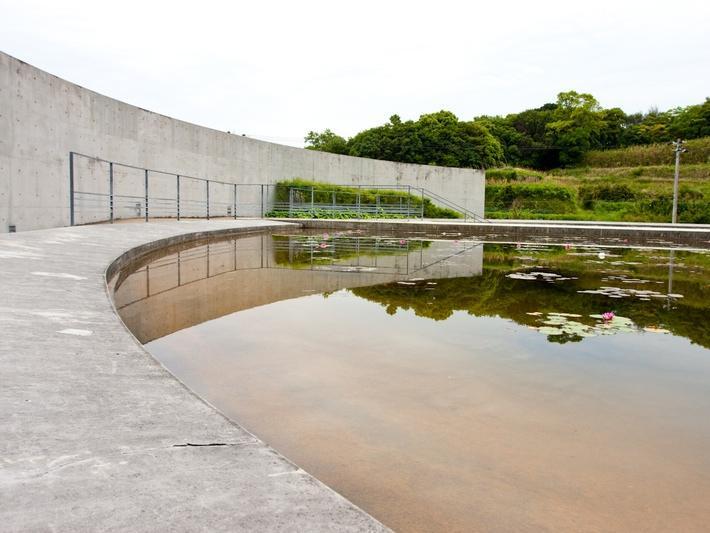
[563,292]
[187,285]
[453,385]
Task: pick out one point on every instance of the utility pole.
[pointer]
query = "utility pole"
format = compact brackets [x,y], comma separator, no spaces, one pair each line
[678,148]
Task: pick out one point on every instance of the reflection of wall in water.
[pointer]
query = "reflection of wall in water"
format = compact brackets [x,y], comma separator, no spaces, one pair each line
[216,279]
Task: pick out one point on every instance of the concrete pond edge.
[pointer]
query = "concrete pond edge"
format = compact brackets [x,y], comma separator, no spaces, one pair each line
[98,434]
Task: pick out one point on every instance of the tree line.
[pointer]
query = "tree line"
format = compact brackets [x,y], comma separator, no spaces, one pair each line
[554,135]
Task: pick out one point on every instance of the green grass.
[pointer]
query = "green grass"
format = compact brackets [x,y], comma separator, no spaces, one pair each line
[508,174]
[649,154]
[638,193]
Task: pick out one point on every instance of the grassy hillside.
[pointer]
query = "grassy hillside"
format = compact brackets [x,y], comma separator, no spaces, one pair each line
[619,193]
[648,154]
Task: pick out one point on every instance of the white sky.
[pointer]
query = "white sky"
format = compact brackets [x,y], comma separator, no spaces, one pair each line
[277,69]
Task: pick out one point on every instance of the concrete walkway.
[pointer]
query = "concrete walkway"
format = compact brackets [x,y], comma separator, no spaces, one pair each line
[96,435]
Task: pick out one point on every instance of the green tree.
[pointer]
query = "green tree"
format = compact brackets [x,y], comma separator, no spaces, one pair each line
[614,123]
[434,139]
[327,141]
[448,142]
[691,122]
[577,126]
[546,137]
[523,137]
[512,141]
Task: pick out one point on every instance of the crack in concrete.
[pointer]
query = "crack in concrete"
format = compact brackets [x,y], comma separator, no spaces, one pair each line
[97,459]
[204,444]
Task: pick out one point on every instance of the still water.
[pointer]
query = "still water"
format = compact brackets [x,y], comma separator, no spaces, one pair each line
[453,385]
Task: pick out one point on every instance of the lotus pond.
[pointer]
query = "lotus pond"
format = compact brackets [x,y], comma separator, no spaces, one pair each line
[445,384]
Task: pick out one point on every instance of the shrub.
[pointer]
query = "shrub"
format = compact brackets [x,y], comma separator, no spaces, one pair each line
[542,198]
[588,194]
[692,208]
[338,215]
[512,174]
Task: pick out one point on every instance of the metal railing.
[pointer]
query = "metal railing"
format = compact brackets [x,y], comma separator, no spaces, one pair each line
[393,200]
[403,201]
[106,191]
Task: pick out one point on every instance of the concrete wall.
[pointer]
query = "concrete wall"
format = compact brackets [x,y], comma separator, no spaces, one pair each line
[43,118]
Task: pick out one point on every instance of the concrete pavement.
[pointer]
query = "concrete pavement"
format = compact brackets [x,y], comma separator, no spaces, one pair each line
[96,435]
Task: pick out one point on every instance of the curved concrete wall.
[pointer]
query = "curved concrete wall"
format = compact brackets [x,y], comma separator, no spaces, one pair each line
[43,118]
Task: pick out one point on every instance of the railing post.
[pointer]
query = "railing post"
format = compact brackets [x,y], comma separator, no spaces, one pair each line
[333,198]
[207,189]
[262,200]
[359,209]
[234,206]
[177,197]
[146,195]
[71,188]
[110,191]
[312,200]
[409,199]
[422,217]
[290,202]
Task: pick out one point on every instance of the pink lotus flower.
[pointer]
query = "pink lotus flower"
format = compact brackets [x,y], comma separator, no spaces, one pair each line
[402,241]
[326,236]
[609,315]
[323,245]
[568,246]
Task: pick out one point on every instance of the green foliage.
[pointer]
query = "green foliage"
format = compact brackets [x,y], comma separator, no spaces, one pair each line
[512,174]
[326,192]
[434,139]
[299,251]
[576,126]
[651,154]
[691,122]
[641,194]
[333,215]
[327,141]
[691,207]
[573,130]
[588,194]
[494,294]
[542,198]
[692,171]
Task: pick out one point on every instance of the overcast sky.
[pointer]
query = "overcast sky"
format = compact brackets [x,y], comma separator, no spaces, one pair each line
[275,70]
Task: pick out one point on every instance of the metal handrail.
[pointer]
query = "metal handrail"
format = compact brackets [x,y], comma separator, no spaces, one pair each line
[223,198]
[152,171]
